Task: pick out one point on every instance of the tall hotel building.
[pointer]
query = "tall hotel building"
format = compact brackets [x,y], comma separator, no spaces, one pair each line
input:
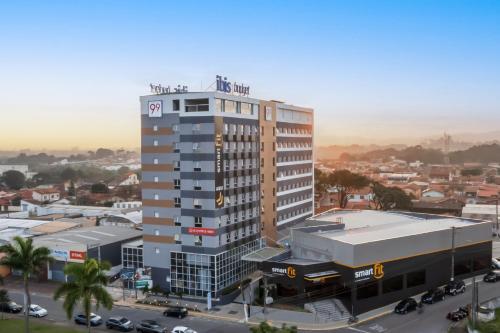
[220,174]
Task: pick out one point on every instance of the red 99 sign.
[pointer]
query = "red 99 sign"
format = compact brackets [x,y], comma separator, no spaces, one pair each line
[155,109]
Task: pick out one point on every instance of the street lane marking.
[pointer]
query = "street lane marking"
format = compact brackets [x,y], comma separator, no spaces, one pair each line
[357,330]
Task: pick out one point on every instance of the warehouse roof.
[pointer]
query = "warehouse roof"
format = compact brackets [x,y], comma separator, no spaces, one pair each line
[93,236]
[362,226]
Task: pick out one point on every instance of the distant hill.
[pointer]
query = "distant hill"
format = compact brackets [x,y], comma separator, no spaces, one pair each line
[485,153]
[334,151]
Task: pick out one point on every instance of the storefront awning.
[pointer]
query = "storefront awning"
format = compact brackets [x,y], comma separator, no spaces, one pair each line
[264,254]
[321,275]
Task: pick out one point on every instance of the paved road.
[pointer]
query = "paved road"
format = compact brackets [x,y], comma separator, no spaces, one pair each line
[201,325]
[432,320]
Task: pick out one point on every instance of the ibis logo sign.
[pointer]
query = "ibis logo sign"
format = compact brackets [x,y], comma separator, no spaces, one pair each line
[377,272]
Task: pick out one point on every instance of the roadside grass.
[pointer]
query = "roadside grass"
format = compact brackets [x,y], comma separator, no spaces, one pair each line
[490,326]
[17,325]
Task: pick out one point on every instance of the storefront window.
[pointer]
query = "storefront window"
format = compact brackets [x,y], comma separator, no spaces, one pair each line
[392,284]
[463,267]
[367,290]
[481,263]
[414,279]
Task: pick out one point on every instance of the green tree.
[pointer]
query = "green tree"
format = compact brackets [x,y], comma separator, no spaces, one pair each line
[4,298]
[346,182]
[71,189]
[87,284]
[21,255]
[69,174]
[99,188]
[14,179]
[264,327]
[387,198]
[321,184]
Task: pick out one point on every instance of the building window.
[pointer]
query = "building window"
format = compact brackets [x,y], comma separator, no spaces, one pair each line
[177,238]
[197,204]
[176,105]
[157,250]
[177,220]
[175,128]
[156,214]
[157,232]
[176,147]
[177,184]
[197,166]
[392,284]
[230,106]
[156,196]
[197,240]
[155,128]
[198,221]
[197,185]
[177,165]
[367,290]
[155,143]
[177,202]
[196,146]
[262,146]
[219,105]
[156,179]
[262,178]
[414,279]
[155,161]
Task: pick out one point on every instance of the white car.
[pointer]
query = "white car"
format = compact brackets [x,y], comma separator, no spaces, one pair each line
[182,329]
[37,311]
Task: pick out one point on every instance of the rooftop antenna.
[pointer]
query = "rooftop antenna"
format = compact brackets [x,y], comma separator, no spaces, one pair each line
[446,150]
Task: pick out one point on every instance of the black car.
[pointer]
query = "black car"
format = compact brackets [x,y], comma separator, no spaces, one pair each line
[433,295]
[492,276]
[149,326]
[95,320]
[176,311]
[119,323]
[11,307]
[405,306]
[454,287]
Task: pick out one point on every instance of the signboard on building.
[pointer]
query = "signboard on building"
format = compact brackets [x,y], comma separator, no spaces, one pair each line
[202,231]
[77,255]
[219,163]
[61,255]
[155,109]
[369,273]
[225,86]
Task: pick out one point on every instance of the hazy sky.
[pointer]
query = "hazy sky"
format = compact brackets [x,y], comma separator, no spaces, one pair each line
[375,71]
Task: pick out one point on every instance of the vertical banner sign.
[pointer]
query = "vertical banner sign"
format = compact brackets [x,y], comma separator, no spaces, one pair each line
[219,164]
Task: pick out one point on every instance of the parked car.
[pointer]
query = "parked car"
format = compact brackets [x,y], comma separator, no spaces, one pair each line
[182,329]
[37,311]
[459,314]
[149,326]
[454,287]
[492,276]
[11,307]
[495,263]
[432,296]
[176,311]
[405,306]
[119,323]
[95,320]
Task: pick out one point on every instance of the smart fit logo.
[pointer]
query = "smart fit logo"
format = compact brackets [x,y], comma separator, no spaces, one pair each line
[378,271]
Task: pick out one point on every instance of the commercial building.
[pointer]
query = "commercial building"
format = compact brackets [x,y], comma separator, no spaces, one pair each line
[367,259]
[102,243]
[212,163]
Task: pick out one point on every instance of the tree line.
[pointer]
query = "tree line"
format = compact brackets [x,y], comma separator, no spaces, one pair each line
[345,183]
[485,153]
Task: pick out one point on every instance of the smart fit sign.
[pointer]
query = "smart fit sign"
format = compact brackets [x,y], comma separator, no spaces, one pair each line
[288,271]
[374,272]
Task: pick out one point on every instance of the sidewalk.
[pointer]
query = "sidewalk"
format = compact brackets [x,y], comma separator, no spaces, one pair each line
[275,317]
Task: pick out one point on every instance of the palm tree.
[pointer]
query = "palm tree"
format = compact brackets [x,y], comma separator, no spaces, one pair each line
[23,256]
[87,282]
[4,298]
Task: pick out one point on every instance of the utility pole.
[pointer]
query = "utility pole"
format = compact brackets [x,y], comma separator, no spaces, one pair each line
[452,253]
[473,303]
